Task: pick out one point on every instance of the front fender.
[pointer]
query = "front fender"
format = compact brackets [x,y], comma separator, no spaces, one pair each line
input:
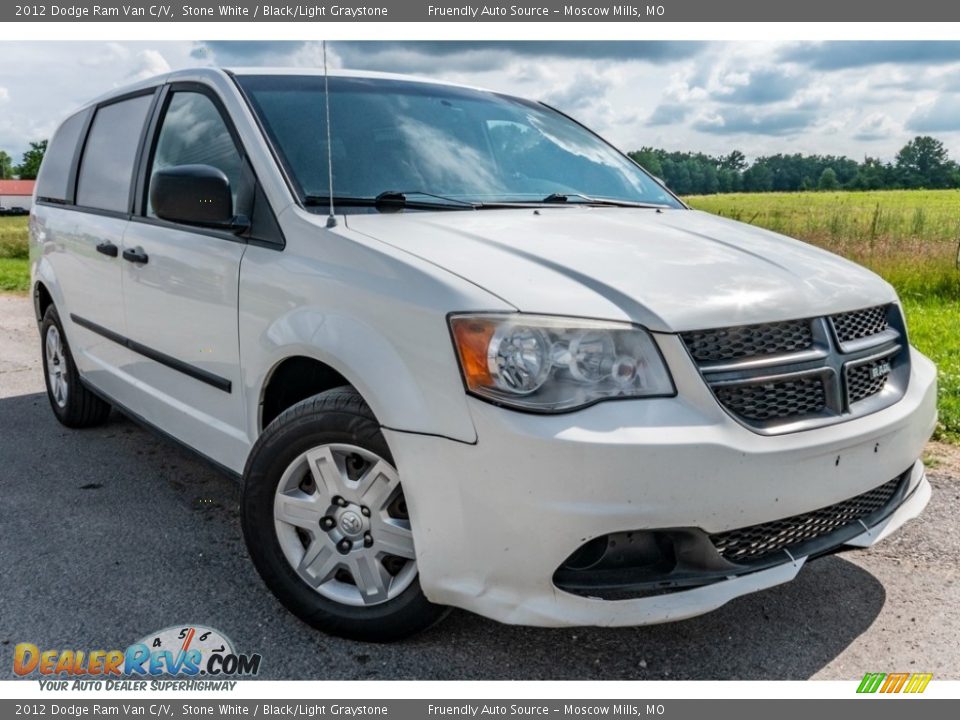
[426,398]
[372,312]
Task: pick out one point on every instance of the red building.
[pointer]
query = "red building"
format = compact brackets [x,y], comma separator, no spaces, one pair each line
[16,193]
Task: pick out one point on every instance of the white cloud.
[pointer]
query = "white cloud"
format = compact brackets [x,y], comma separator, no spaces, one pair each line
[812,98]
[686,86]
[876,126]
[110,53]
[937,116]
[147,64]
[759,86]
[760,98]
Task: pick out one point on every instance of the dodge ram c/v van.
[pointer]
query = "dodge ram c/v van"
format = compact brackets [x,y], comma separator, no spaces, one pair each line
[463,352]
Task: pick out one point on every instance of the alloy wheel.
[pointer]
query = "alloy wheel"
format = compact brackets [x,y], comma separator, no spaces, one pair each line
[56,366]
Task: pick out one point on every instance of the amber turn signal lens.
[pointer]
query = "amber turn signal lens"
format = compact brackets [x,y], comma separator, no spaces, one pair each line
[472,336]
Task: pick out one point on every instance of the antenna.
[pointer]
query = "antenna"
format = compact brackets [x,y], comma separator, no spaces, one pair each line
[331,218]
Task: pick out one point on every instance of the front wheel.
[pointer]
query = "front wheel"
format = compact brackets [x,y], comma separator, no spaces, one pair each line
[326,522]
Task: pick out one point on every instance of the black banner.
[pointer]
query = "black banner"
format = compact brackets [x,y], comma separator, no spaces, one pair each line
[452,11]
[359,709]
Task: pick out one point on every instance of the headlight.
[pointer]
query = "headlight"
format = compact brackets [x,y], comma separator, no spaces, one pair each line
[550,364]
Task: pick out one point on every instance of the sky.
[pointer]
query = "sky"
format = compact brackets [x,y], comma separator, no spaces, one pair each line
[842,98]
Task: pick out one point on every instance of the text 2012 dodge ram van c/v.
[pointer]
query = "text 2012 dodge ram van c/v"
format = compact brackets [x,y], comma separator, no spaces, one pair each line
[504,369]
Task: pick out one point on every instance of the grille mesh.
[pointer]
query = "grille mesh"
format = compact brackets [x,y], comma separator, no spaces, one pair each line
[757,541]
[860,384]
[774,401]
[860,323]
[741,364]
[749,341]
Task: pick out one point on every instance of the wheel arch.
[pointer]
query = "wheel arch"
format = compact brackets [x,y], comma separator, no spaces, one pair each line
[292,379]
[42,299]
[405,388]
[45,290]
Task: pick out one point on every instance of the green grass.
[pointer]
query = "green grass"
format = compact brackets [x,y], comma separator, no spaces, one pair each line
[934,328]
[845,217]
[14,275]
[14,265]
[13,237]
[907,236]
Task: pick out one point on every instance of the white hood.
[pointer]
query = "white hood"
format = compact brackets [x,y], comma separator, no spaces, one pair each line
[673,270]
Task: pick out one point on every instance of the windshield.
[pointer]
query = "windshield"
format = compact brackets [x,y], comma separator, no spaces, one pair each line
[462,144]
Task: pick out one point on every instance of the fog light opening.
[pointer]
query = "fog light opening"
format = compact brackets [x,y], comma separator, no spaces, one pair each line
[640,551]
[588,555]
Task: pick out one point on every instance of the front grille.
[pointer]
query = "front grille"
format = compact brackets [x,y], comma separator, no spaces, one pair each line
[745,341]
[863,381]
[775,400]
[754,543]
[860,323]
[796,374]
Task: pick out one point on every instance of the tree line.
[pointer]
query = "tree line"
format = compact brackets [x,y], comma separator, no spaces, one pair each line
[29,165]
[921,163]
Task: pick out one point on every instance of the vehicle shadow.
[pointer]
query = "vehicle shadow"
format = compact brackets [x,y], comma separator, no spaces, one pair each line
[110,533]
[788,632]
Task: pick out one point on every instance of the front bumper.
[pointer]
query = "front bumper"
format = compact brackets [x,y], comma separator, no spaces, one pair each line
[493,521]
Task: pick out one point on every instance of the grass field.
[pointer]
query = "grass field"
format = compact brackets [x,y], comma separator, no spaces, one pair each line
[907,236]
[14,267]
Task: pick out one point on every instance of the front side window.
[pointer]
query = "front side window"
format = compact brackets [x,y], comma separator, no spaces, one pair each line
[194,133]
[106,170]
[393,135]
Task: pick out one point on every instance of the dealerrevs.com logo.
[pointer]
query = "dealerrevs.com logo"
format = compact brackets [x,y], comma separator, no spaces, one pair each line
[186,652]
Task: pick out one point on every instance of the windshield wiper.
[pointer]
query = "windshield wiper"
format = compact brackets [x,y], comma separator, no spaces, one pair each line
[565,197]
[403,198]
[392,200]
[324,201]
[588,200]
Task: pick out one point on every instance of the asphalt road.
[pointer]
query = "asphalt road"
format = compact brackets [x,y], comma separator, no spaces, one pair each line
[111,533]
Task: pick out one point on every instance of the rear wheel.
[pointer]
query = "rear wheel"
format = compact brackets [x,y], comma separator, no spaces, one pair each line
[73,404]
[326,522]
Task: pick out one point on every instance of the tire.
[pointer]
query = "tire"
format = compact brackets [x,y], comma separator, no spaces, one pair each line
[295,529]
[72,403]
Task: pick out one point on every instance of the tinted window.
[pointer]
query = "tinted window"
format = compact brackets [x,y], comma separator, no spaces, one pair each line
[54,178]
[108,156]
[456,142]
[194,133]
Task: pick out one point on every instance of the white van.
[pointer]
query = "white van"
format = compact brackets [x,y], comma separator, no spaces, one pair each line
[466,353]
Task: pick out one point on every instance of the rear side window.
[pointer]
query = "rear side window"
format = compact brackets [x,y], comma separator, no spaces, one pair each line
[194,133]
[106,169]
[53,182]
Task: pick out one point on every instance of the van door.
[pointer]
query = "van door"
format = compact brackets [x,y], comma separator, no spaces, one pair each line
[180,287]
[87,238]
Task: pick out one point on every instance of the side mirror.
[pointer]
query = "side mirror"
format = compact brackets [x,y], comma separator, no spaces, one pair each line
[194,195]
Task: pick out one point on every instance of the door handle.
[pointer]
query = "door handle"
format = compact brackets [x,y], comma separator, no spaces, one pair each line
[136,255]
[107,248]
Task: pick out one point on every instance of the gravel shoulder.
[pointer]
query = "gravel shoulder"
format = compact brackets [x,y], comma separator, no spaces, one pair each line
[110,533]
